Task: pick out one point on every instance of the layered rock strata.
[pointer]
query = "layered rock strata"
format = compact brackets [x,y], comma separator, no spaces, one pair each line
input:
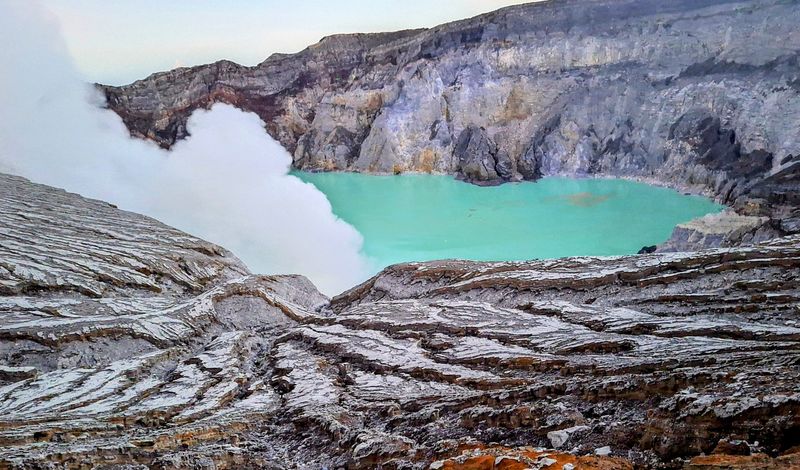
[128,344]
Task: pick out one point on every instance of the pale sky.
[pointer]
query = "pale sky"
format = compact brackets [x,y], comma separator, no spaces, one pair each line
[119,41]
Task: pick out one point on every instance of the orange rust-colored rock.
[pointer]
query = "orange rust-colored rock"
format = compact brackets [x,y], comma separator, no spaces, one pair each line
[499,458]
[787,461]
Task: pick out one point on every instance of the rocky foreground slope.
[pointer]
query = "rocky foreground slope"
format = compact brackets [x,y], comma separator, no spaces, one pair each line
[127,344]
[702,95]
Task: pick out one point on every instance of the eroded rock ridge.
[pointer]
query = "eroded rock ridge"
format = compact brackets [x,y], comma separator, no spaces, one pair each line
[128,344]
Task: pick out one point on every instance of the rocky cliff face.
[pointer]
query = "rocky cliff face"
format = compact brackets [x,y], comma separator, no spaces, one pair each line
[127,344]
[702,95]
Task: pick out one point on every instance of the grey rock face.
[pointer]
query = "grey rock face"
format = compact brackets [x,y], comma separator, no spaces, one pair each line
[479,159]
[476,155]
[628,317]
[122,337]
[698,95]
[127,343]
[60,242]
[83,283]
[719,230]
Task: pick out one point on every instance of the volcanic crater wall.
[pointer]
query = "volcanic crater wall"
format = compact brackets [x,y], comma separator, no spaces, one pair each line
[698,95]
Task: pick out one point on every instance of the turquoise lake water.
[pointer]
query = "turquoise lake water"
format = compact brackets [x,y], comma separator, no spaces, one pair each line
[427,217]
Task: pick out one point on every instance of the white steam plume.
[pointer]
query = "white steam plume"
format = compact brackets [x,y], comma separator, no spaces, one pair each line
[227,183]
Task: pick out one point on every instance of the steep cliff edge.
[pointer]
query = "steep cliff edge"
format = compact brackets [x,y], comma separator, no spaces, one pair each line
[698,95]
[126,344]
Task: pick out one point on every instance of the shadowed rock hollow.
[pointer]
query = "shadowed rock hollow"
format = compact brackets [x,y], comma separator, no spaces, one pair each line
[128,344]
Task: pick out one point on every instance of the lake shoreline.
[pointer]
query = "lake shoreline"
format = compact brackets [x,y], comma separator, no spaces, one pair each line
[426,216]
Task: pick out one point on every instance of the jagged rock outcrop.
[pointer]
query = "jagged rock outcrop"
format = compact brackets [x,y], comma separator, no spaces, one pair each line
[128,344]
[701,95]
[723,229]
[480,161]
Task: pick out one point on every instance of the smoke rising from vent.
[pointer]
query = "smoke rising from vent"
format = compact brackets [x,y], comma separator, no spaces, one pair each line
[227,183]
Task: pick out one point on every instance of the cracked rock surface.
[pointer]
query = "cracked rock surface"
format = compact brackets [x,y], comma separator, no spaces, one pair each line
[128,344]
